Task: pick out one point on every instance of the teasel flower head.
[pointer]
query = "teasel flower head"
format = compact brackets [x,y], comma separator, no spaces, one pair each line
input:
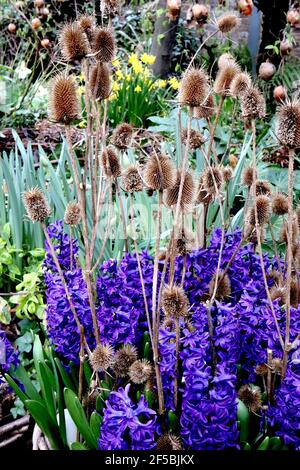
[250,395]
[193,87]
[228,22]
[124,358]
[202,196]
[36,205]
[159,173]
[87,24]
[185,242]
[263,207]
[100,81]
[240,84]
[212,180]
[131,180]
[224,78]
[251,232]
[206,110]
[280,205]
[288,124]
[227,174]
[102,357]
[278,293]
[187,197]
[196,139]
[122,136]
[247,176]
[104,45]
[173,9]
[224,58]
[140,371]
[73,42]
[253,104]
[63,103]
[263,187]
[223,287]
[72,213]
[175,303]
[110,7]
[261,369]
[110,162]
[169,442]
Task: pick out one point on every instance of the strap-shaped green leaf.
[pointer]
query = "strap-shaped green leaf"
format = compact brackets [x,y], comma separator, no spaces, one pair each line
[77,414]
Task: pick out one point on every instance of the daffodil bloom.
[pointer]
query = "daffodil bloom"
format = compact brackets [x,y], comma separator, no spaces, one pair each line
[80,90]
[148,59]
[128,77]
[119,74]
[161,83]
[137,68]
[115,87]
[146,73]
[116,63]
[133,58]
[112,97]
[175,84]
[138,89]
[82,125]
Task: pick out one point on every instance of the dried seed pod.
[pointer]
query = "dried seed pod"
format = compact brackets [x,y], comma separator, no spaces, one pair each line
[253,104]
[175,303]
[109,7]
[212,180]
[240,84]
[185,243]
[110,163]
[63,104]
[223,287]
[203,197]
[247,176]
[159,173]
[72,213]
[288,124]
[122,136]
[261,369]
[124,358]
[206,110]
[187,196]
[263,208]
[224,78]
[280,204]
[278,293]
[102,357]
[196,138]
[228,22]
[224,58]
[277,365]
[286,48]
[132,181]
[250,395]
[169,442]
[293,17]
[294,293]
[280,94]
[87,24]
[100,81]
[140,371]
[263,187]
[227,174]
[193,87]
[200,13]
[36,205]
[73,42]
[104,45]
[266,71]
[173,9]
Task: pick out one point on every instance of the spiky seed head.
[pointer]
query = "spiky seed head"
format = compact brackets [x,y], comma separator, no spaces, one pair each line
[185,242]
[224,58]
[122,136]
[278,293]
[263,207]
[240,84]
[159,173]
[202,196]
[193,87]
[174,302]
[207,109]
[131,180]
[173,9]
[212,180]
[102,357]
[280,205]
[288,124]
[261,369]
[196,138]
[87,24]
[250,395]
[228,22]
[72,213]
[73,42]
[224,78]
[277,365]
[104,45]
[110,7]
[187,196]
[253,104]
[169,442]
[63,102]
[110,162]
[140,371]
[124,358]
[100,81]
[263,187]
[247,176]
[223,286]
[36,205]
[294,293]
[227,174]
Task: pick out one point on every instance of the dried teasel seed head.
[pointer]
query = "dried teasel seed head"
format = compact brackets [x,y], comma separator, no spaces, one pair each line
[109,7]
[224,58]
[250,232]
[247,176]
[185,242]
[202,196]
[253,104]
[193,87]
[212,180]
[175,303]
[224,78]
[169,442]
[110,162]
[250,395]
[104,45]
[72,213]
[187,197]
[36,205]
[173,9]
[100,81]
[196,138]
[159,173]
[140,371]
[263,207]
[294,293]
[261,369]
[223,286]
[228,22]
[73,42]
[278,293]
[124,358]
[131,180]
[207,109]
[277,365]
[280,205]
[288,124]
[227,174]
[240,84]
[295,232]
[87,24]
[122,136]
[63,103]
[102,357]
[263,187]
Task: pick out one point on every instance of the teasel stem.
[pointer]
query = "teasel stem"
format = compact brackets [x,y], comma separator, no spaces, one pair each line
[80,378]
[269,374]
[214,126]
[275,251]
[200,47]
[257,228]
[122,214]
[71,249]
[233,118]
[155,273]
[177,341]
[287,345]
[183,259]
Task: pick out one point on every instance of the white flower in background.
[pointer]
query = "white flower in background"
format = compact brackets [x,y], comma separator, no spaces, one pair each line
[22,71]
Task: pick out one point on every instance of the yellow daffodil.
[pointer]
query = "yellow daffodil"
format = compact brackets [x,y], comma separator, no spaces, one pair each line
[112,97]
[119,74]
[146,73]
[128,77]
[115,87]
[133,58]
[148,59]
[80,90]
[116,63]
[82,125]
[175,84]
[161,83]
[137,68]
[138,89]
